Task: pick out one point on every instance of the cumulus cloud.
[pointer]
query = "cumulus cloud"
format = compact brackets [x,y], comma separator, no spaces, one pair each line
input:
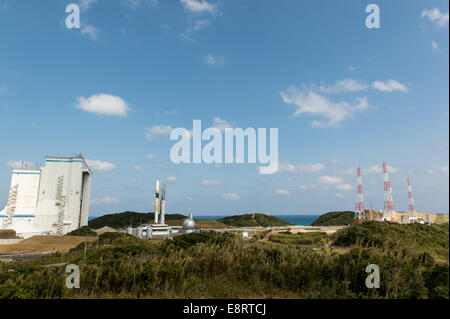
[172,179]
[86,4]
[344,85]
[436,16]
[102,166]
[303,187]
[214,60]
[220,124]
[157,130]
[138,168]
[311,168]
[20,164]
[309,102]
[104,200]
[283,192]
[434,45]
[330,180]
[378,169]
[344,187]
[231,196]
[103,104]
[199,25]
[133,4]
[285,166]
[444,169]
[211,182]
[198,6]
[430,171]
[90,31]
[150,156]
[339,195]
[389,86]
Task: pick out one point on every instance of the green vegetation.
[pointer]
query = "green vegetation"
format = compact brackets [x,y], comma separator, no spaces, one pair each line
[313,238]
[122,220]
[248,220]
[211,265]
[83,231]
[432,239]
[334,219]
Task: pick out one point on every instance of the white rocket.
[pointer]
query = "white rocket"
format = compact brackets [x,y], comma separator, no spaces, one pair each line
[157,202]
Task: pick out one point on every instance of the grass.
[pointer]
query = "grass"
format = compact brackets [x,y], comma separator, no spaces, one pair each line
[312,238]
[253,220]
[211,265]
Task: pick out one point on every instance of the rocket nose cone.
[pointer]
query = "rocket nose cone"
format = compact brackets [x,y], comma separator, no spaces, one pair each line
[157,184]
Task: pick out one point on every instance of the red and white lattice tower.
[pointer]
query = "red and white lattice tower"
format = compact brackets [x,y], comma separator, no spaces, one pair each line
[412,207]
[360,214]
[388,200]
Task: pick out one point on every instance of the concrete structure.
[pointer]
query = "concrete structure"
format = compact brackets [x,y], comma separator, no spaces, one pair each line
[51,200]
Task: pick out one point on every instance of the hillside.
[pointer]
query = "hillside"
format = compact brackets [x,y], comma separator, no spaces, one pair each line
[211,265]
[250,220]
[334,219]
[125,219]
[433,240]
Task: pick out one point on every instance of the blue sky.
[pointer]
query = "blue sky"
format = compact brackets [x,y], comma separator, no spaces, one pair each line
[341,95]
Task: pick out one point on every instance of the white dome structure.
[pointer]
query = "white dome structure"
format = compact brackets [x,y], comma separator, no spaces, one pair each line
[189,224]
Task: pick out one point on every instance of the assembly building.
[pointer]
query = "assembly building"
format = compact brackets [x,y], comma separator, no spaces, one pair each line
[53,199]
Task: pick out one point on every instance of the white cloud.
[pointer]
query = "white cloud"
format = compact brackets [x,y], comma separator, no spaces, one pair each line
[198,6]
[430,171]
[231,196]
[344,85]
[344,187]
[104,200]
[214,60]
[311,168]
[285,166]
[389,86]
[90,31]
[348,171]
[199,25]
[172,179]
[220,124]
[310,102]
[330,180]
[138,168]
[103,104]
[150,156]
[436,16]
[444,169]
[100,165]
[86,4]
[378,169]
[211,182]
[189,198]
[283,192]
[335,160]
[339,195]
[20,164]
[157,130]
[434,45]
[303,187]
[3,88]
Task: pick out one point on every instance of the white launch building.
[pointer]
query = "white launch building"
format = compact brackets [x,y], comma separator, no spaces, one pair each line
[51,200]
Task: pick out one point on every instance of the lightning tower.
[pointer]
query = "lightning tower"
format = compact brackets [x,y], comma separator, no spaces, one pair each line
[412,208]
[360,214]
[388,200]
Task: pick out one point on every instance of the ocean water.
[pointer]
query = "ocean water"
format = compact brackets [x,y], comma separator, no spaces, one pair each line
[299,220]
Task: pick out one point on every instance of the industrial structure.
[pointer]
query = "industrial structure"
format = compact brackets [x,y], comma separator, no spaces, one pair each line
[160,228]
[360,214]
[53,199]
[388,199]
[388,212]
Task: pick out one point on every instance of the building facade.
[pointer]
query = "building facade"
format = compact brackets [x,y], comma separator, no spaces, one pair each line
[53,199]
